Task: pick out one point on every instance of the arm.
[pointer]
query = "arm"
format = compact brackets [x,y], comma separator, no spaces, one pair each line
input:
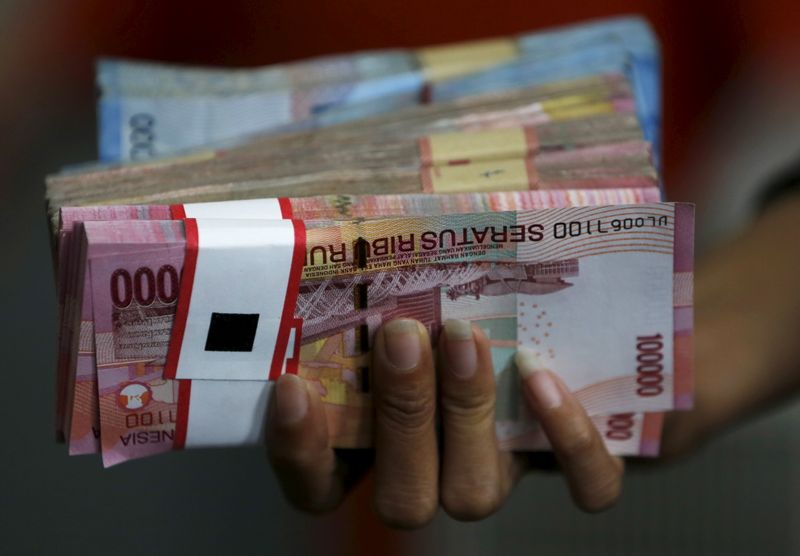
[747,328]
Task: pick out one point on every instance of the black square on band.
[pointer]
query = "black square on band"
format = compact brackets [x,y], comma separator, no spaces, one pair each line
[231,332]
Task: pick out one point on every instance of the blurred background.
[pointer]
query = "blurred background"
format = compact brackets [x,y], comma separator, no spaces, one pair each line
[731,120]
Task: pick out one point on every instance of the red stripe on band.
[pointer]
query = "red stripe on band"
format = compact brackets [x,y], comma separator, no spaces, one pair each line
[286,208]
[178,212]
[292,289]
[182,419]
[532,174]
[426,178]
[531,140]
[425,154]
[184,298]
[293,364]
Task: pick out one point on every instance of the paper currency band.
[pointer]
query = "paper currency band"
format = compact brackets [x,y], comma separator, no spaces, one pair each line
[280,208]
[182,419]
[465,147]
[217,414]
[235,315]
[482,177]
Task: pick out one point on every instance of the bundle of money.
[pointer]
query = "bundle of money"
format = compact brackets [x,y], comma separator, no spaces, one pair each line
[530,206]
[569,131]
[151,109]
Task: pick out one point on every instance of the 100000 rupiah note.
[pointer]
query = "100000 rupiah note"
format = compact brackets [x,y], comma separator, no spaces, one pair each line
[77,376]
[568,283]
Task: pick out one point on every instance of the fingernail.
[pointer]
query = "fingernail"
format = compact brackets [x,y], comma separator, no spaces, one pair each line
[291,399]
[403,347]
[539,382]
[462,355]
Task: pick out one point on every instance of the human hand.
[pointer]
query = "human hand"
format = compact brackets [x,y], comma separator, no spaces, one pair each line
[415,472]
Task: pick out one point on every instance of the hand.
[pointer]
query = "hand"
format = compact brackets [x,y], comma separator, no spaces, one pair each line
[468,476]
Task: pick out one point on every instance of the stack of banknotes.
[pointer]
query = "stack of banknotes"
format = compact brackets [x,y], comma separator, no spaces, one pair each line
[242,224]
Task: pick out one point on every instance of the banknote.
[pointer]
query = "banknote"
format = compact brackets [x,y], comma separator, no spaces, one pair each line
[514,274]
[137,77]
[531,102]
[616,82]
[599,147]
[551,108]
[147,128]
[76,384]
[618,44]
[403,119]
[639,39]
[136,128]
[144,107]
[604,94]
[526,71]
[117,76]
[513,174]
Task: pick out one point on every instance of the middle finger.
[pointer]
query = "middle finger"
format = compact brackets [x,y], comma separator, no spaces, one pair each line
[473,482]
[406,458]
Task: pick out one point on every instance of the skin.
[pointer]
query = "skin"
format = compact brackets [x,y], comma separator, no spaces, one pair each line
[747,354]
[747,329]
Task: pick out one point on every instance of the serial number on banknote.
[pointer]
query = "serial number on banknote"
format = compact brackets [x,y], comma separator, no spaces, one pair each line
[578,228]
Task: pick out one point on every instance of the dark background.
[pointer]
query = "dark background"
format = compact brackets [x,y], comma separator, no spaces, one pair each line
[730,119]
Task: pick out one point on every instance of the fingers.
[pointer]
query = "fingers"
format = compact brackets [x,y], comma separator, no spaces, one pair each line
[406,453]
[473,485]
[297,444]
[593,475]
